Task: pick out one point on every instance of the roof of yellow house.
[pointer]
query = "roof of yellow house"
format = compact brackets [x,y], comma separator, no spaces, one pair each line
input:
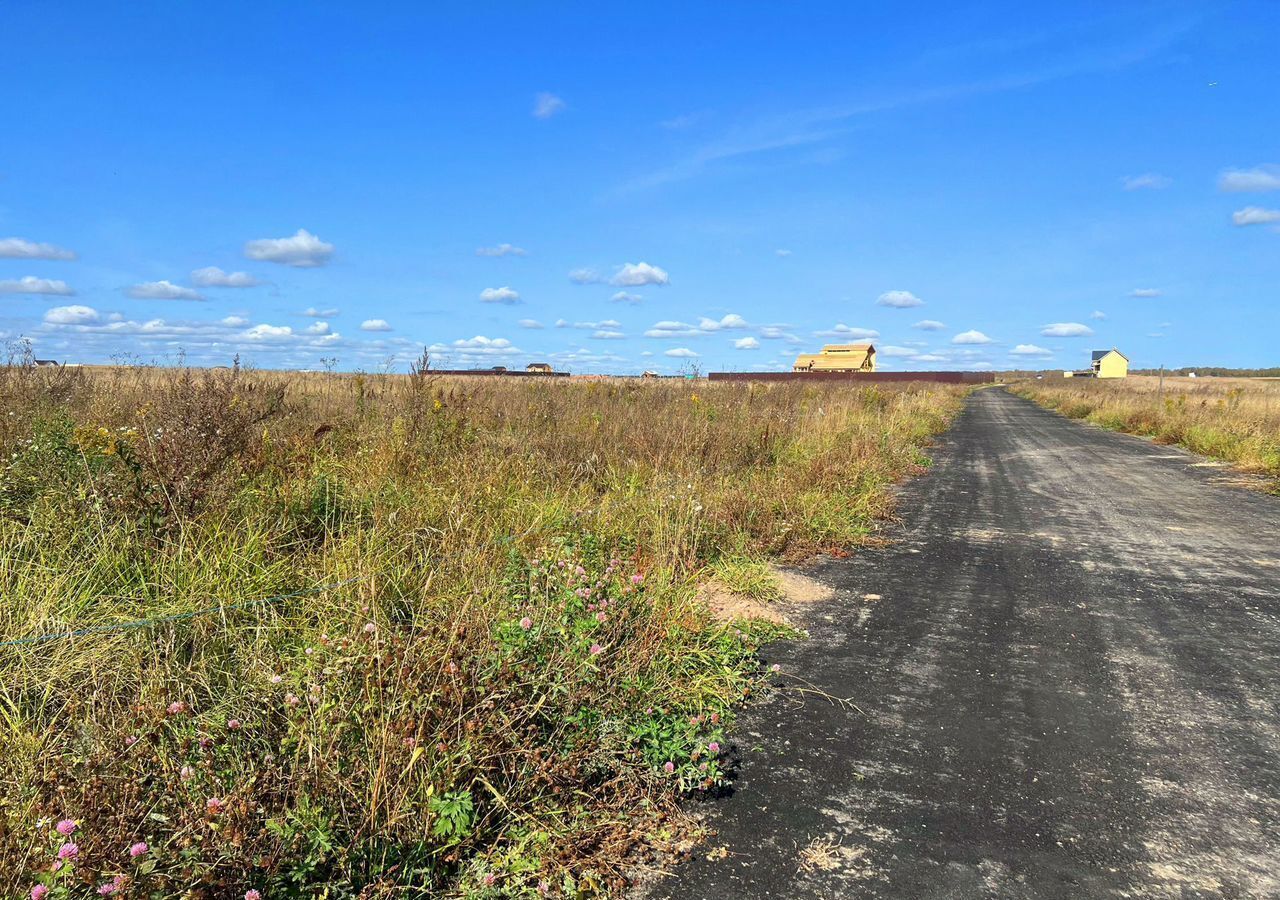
[846,348]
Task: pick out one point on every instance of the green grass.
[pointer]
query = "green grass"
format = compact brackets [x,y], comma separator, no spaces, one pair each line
[512,684]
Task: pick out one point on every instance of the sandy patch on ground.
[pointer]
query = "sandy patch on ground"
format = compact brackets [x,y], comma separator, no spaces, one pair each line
[796,589]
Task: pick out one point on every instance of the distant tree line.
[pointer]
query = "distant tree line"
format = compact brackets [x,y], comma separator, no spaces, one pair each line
[1220,371]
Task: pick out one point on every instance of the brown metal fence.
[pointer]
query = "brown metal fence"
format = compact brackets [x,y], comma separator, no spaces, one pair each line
[943,377]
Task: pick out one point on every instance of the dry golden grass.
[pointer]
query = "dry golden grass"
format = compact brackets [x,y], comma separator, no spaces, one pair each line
[511,681]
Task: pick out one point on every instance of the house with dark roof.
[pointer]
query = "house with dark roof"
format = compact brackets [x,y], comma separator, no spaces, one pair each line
[1109,364]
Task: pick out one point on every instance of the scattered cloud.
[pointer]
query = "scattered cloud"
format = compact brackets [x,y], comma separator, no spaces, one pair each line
[302,251]
[162,290]
[638,274]
[1030,350]
[71,315]
[212,276]
[899,299]
[234,321]
[265,332]
[375,325]
[29,284]
[313,313]
[480,342]
[1145,292]
[585,276]
[778,333]
[531,323]
[1097,314]
[930,325]
[1256,180]
[670,329]
[746,343]
[971,337]
[20,248]
[1148,181]
[1255,215]
[605,334]
[1066,329]
[499,295]
[930,357]
[892,350]
[502,250]
[626,297]
[319,328]
[782,253]
[681,353]
[844,331]
[546,105]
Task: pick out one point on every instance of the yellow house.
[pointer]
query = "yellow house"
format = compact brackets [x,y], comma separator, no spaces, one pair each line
[838,358]
[1110,364]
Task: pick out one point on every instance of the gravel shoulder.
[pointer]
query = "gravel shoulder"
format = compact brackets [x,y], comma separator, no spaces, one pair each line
[1066,671]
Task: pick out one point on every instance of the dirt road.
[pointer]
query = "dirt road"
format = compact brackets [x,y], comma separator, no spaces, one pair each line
[1068,687]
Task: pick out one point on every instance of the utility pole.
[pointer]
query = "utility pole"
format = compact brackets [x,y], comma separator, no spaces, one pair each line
[1160,392]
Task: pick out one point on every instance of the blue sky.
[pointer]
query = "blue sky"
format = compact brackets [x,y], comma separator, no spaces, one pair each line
[617,188]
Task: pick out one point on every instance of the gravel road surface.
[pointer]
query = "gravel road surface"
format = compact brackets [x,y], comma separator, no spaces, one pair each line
[1066,667]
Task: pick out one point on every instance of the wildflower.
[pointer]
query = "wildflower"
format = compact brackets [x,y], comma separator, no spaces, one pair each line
[668,767]
[234,724]
[131,740]
[715,718]
[410,742]
[775,668]
[214,805]
[66,827]
[253,894]
[489,880]
[600,617]
[370,628]
[292,700]
[702,767]
[177,707]
[309,651]
[714,747]
[596,649]
[106,890]
[205,743]
[526,623]
[138,849]
[187,773]
[68,851]
[39,892]
[637,578]
[544,886]
[276,679]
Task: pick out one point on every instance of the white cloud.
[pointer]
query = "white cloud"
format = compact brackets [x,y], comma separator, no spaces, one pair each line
[607,335]
[732,320]
[162,290]
[313,313]
[778,333]
[899,299]
[747,343]
[266,332]
[375,325]
[930,357]
[317,328]
[971,337]
[1098,315]
[1066,329]
[1145,292]
[669,328]
[930,325]
[585,276]
[531,323]
[29,284]
[626,297]
[681,353]
[1148,181]
[501,250]
[235,321]
[212,276]
[844,331]
[302,251]
[1030,350]
[1255,215]
[637,274]
[782,253]
[71,315]
[480,342]
[499,295]
[546,105]
[20,248]
[891,350]
[1255,180]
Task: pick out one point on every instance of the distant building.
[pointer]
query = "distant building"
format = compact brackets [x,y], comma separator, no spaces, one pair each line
[1110,364]
[649,373]
[499,370]
[838,358]
[539,368]
[46,363]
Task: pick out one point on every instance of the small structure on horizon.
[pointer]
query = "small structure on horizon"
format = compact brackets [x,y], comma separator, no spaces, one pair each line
[539,368]
[838,358]
[46,363]
[1103,364]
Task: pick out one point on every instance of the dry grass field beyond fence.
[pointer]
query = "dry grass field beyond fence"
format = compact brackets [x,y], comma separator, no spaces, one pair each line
[405,634]
[1234,419]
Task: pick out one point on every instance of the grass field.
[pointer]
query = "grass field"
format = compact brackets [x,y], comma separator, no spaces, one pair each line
[1233,419]
[400,634]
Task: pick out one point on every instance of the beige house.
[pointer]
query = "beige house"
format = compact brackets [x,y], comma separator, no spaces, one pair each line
[1110,364]
[838,358]
[539,368]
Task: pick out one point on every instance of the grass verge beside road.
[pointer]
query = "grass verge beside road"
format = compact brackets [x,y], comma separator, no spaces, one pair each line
[485,673]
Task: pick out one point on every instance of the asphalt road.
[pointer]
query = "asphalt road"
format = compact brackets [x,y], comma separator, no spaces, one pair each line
[1068,687]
